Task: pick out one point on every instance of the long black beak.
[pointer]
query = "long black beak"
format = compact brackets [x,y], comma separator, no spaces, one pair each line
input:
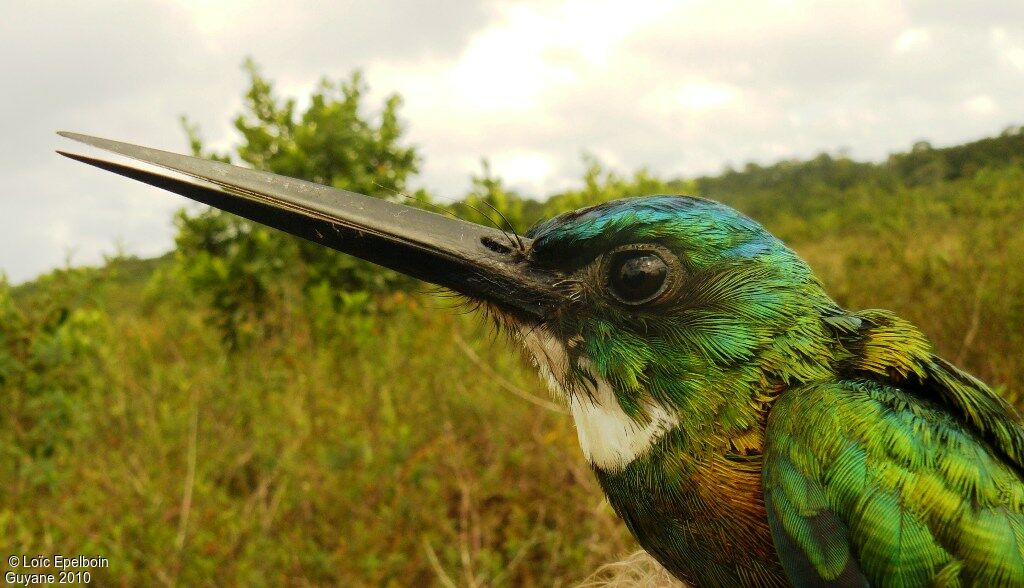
[479,262]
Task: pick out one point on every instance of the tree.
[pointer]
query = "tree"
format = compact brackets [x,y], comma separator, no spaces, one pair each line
[248,270]
[601,185]
[489,202]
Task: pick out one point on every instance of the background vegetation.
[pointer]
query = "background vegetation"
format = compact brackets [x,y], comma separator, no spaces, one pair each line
[262,411]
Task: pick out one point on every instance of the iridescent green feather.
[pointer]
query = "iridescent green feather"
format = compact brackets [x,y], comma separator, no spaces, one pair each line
[833,443]
[916,488]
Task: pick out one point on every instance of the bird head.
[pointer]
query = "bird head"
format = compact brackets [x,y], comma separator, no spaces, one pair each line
[676,313]
[644,314]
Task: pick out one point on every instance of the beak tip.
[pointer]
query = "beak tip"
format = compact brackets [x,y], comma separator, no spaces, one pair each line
[70,155]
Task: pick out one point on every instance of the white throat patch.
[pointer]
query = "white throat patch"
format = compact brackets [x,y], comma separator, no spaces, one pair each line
[610,438]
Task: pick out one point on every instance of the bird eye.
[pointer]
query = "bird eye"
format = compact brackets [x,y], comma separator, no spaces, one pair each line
[637,276]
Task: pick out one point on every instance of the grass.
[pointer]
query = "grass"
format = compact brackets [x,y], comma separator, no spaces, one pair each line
[410,446]
[386,462]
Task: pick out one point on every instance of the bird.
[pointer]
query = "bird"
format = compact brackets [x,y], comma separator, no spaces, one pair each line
[747,429]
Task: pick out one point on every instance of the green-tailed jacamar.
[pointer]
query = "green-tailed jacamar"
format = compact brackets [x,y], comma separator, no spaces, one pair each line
[748,430]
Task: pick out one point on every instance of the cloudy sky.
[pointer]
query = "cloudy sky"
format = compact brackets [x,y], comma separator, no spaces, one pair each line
[682,87]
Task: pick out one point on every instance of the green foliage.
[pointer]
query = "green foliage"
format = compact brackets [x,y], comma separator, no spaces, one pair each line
[331,143]
[248,270]
[349,316]
[601,185]
[356,461]
[490,203]
[48,353]
[924,164]
[366,436]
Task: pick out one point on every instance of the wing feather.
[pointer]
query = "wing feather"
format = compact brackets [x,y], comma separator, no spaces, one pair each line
[909,490]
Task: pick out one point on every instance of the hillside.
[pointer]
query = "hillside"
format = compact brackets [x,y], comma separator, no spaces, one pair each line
[381,437]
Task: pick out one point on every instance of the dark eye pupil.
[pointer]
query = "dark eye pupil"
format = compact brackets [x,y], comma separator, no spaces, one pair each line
[637,276]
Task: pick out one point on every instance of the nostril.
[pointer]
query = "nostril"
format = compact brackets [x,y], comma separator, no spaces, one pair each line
[495,245]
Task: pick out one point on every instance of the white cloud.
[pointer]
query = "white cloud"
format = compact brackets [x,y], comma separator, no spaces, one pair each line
[529,170]
[981,105]
[1009,48]
[59,232]
[912,40]
[213,18]
[688,98]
